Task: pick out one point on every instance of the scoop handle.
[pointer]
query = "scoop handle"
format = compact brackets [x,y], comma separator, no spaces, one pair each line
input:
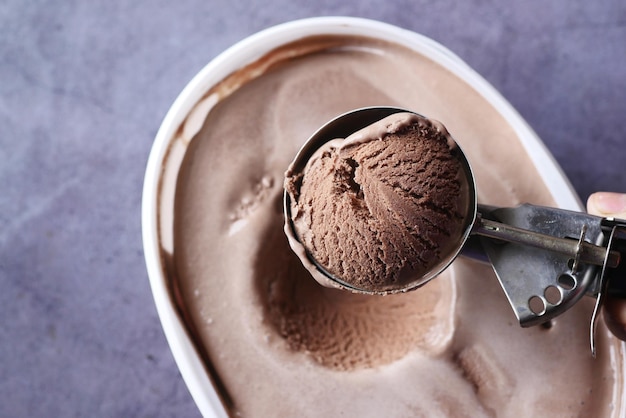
[580,251]
[534,249]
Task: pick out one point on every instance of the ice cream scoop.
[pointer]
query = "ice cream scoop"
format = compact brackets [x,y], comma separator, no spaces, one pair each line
[545,258]
[384,209]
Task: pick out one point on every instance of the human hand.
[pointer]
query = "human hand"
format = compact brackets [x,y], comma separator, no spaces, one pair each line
[611,205]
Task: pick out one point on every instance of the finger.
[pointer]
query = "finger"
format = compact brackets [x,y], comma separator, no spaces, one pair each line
[614,311]
[607,204]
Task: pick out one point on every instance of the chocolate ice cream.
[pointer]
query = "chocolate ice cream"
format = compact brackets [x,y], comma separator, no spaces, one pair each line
[278,344]
[385,207]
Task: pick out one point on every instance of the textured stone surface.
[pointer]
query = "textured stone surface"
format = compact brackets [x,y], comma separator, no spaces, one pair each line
[83,89]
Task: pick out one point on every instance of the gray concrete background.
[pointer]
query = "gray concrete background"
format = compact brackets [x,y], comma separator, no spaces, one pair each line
[84,86]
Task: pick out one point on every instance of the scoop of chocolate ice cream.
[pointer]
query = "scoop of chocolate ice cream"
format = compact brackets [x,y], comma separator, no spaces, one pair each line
[383,208]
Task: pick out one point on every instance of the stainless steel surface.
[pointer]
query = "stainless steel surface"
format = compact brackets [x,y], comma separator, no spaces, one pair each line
[539,258]
[546,259]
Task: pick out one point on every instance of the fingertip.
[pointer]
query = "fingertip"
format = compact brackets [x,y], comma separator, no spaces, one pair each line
[607,204]
[591,204]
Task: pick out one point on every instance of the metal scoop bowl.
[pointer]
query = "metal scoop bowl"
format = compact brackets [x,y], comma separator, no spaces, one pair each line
[342,127]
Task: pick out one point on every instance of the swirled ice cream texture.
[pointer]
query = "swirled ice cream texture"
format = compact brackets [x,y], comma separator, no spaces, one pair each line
[383,209]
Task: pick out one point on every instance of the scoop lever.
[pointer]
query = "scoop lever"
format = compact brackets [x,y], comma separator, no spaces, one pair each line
[546,259]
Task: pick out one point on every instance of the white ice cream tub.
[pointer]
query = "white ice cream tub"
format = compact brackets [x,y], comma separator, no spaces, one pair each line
[165,158]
